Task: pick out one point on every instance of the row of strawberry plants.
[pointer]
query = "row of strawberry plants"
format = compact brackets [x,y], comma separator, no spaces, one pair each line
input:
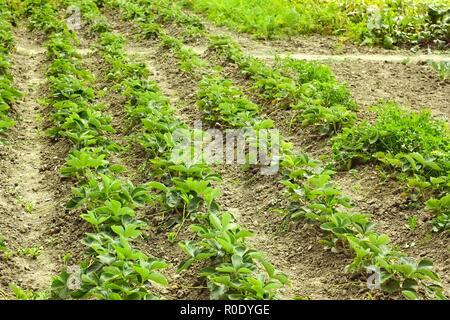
[326,104]
[309,88]
[427,170]
[232,271]
[219,98]
[317,199]
[112,269]
[8,94]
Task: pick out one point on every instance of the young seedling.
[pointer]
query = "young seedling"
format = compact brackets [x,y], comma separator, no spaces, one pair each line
[4,248]
[32,252]
[412,221]
[442,68]
[29,295]
[29,206]
[172,237]
[51,240]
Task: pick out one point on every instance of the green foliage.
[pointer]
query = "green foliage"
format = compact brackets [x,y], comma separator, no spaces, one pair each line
[186,186]
[80,161]
[269,19]
[29,295]
[384,22]
[8,94]
[320,202]
[412,144]
[113,269]
[307,87]
[441,208]
[188,194]
[412,221]
[396,131]
[328,120]
[150,30]
[4,248]
[231,273]
[442,68]
[399,23]
[222,101]
[32,252]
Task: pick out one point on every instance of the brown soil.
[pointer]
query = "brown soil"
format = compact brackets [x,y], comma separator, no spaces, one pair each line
[33,197]
[321,46]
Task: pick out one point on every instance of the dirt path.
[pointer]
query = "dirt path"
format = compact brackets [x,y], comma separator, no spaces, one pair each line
[318,47]
[26,198]
[267,52]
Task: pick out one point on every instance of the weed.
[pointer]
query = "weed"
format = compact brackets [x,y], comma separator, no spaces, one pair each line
[442,68]
[32,252]
[412,221]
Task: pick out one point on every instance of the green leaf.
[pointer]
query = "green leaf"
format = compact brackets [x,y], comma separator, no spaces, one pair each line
[158,278]
[410,295]
[215,222]
[157,185]
[185,264]
[228,247]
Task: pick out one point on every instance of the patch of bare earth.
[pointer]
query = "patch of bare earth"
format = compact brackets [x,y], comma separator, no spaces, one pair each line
[32,196]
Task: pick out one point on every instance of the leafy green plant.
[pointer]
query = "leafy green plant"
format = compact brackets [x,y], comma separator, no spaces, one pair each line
[29,295]
[441,208]
[32,252]
[222,101]
[230,275]
[412,221]
[8,94]
[304,86]
[320,202]
[4,248]
[384,22]
[396,131]
[183,186]
[329,121]
[442,68]
[150,30]
[79,161]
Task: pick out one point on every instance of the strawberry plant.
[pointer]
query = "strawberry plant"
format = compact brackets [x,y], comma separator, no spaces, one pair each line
[296,84]
[231,274]
[222,101]
[4,248]
[319,201]
[29,295]
[441,208]
[79,161]
[188,194]
[113,269]
[328,121]
[8,94]
[185,185]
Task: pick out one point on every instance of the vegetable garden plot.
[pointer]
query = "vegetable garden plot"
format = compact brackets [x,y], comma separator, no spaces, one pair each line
[215,244]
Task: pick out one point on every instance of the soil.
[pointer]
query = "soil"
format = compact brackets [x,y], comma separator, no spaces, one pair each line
[32,197]
[32,162]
